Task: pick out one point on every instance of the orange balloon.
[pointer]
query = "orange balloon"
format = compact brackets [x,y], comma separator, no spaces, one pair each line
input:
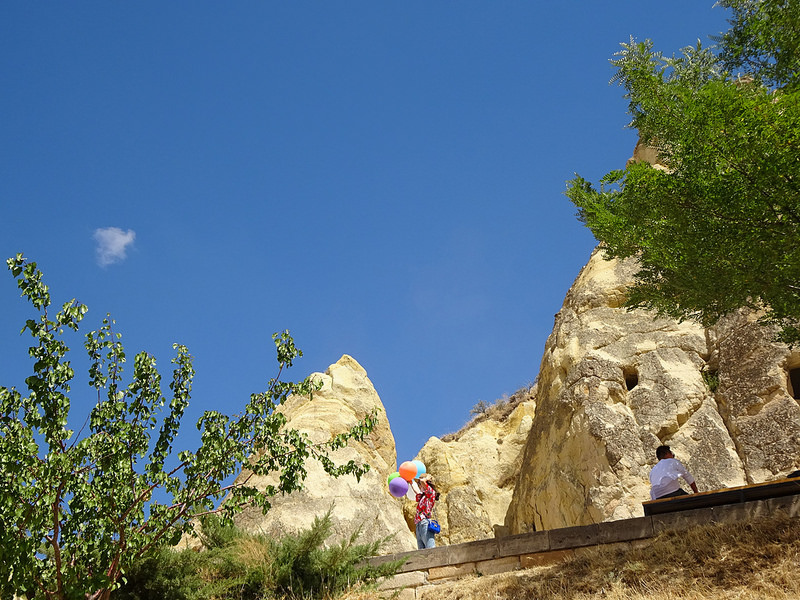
[408,470]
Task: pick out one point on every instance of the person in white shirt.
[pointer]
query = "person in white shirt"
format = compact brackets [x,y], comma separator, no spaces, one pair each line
[664,476]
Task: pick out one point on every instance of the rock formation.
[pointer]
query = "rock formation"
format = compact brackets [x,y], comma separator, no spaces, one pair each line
[347,396]
[755,394]
[476,469]
[576,448]
[614,384]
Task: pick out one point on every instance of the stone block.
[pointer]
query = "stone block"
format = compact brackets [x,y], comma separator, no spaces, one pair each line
[402,580]
[473,551]
[625,530]
[525,543]
[544,559]
[573,537]
[732,513]
[451,571]
[787,505]
[681,520]
[376,561]
[498,565]
[432,557]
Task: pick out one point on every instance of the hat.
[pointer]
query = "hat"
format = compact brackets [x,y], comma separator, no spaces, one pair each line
[427,477]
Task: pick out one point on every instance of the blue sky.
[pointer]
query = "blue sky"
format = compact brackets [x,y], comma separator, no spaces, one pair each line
[383,179]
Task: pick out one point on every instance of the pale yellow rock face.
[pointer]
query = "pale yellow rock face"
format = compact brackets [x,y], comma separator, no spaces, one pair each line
[755,395]
[614,384]
[346,397]
[475,475]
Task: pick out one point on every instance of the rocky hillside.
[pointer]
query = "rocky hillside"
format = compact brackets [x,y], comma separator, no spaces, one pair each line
[477,469]
[575,449]
[614,384]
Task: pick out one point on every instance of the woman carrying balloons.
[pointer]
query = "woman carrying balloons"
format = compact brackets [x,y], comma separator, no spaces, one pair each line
[426,499]
[412,473]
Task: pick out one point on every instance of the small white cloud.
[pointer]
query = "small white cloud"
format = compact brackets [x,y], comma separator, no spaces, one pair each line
[112,244]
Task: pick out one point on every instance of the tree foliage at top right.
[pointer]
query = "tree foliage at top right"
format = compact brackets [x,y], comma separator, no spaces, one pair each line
[763,41]
[716,224]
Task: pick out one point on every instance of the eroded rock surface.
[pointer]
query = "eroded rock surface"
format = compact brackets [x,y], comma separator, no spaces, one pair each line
[614,384]
[476,471]
[346,397]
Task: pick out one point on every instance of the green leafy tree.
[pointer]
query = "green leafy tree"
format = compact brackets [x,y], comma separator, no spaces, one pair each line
[78,508]
[763,41]
[716,226]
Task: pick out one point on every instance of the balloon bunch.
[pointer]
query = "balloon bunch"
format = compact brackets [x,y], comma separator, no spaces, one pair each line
[399,480]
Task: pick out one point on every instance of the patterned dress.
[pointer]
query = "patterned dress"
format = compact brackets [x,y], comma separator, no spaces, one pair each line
[425,502]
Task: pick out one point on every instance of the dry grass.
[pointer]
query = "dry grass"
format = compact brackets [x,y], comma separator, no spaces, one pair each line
[756,560]
[252,550]
[499,411]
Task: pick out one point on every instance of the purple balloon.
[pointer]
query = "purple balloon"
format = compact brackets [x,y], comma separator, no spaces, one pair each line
[398,487]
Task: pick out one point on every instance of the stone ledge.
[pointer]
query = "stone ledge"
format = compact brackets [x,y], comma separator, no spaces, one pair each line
[449,572]
[723,497]
[545,548]
[498,565]
[680,520]
[524,543]
[574,537]
[787,505]
[473,551]
[625,530]
[403,580]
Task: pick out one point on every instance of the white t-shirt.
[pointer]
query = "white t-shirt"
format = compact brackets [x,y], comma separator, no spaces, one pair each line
[664,477]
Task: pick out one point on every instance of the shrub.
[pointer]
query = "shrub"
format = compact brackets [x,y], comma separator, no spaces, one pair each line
[303,566]
[164,575]
[240,566]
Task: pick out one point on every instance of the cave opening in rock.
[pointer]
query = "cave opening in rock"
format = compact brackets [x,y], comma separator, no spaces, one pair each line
[631,378]
[794,383]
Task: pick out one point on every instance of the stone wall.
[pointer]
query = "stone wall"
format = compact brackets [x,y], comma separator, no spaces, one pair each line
[424,569]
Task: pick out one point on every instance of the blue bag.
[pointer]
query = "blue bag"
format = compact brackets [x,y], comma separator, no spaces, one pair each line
[433,526]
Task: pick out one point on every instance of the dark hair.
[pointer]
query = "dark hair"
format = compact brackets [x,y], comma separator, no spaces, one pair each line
[430,484]
[662,451]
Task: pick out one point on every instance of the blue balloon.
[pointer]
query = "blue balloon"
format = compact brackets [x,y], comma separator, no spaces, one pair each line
[420,467]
